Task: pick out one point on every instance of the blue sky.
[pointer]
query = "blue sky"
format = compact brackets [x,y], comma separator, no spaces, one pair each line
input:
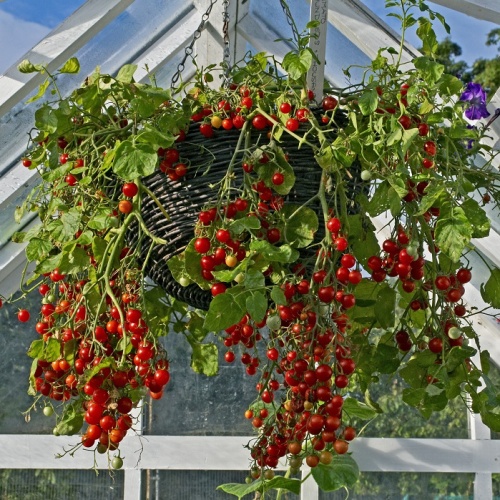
[24,22]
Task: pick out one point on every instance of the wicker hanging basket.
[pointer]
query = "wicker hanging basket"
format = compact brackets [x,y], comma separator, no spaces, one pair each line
[183,200]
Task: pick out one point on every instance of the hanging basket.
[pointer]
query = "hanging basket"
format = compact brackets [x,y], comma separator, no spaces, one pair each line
[208,160]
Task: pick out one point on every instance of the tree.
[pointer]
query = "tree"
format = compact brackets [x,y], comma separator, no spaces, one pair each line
[483,71]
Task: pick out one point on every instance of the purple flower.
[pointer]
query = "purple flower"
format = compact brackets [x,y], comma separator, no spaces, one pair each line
[476,97]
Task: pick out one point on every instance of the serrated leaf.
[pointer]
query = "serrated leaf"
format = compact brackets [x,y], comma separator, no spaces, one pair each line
[477,216]
[25,66]
[490,291]
[74,259]
[238,226]
[205,359]
[37,249]
[301,224]
[134,160]
[48,264]
[256,305]
[278,482]
[342,472]
[226,309]
[297,65]
[46,119]
[64,228]
[355,408]
[71,422]
[195,327]
[368,102]
[430,70]
[453,233]
[283,253]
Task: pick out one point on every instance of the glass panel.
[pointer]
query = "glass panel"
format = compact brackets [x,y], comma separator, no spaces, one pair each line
[195,485]
[407,486]
[195,404]
[340,51]
[15,368]
[23,23]
[58,484]
[401,420]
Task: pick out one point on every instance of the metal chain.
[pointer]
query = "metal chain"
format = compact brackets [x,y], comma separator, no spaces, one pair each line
[290,20]
[189,49]
[225,33]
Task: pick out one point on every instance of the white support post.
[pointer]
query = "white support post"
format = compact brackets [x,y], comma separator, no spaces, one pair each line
[309,489]
[317,43]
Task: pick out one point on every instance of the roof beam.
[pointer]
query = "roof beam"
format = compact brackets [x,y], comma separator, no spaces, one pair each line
[486,10]
[58,46]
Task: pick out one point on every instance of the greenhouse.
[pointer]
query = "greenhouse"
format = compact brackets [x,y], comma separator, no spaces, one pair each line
[250,249]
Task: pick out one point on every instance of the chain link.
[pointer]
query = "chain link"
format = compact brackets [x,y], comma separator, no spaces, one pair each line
[290,20]
[189,49]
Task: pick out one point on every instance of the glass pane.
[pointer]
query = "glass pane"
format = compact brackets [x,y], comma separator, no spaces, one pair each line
[23,23]
[195,404]
[58,484]
[340,51]
[195,485]
[401,420]
[407,486]
[15,368]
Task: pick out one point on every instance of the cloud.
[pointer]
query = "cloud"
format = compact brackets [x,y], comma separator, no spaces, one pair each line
[16,38]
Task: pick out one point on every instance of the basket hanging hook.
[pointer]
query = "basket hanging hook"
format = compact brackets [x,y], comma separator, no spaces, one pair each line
[226,41]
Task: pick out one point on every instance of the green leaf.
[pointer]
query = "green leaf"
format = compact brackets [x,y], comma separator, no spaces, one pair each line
[256,305]
[278,163]
[426,33]
[490,291]
[408,137]
[41,91]
[46,119]
[386,307]
[126,73]
[48,351]
[195,327]
[301,224]
[283,253]
[99,246]
[48,264]
[238,226]
[25,66]
[226,309]
[71,66]
[368,102]
[158,311]
[254,279]
[134,160]
[72,420]
[297,65]
[342,472]
[355,408]
[379,202]
[143,107]
[64,229]
[102,219]
[278,482]
[37,249]
[362,238]
[453,233]
[449,85]
[278,296]
[477,217]
[155,138]
[74,259]
[204,359]
[430,70]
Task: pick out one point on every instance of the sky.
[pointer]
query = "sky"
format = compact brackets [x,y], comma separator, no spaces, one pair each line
[25,22]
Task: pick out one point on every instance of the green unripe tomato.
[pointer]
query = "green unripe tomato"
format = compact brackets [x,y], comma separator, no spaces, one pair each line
[117,462]
[48,411]
[248,480]
[183,281]
[366,175]
[239,277]
[55,431]
[273,322]
[467,186]
[454,333]
[268,474]
[102,448]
